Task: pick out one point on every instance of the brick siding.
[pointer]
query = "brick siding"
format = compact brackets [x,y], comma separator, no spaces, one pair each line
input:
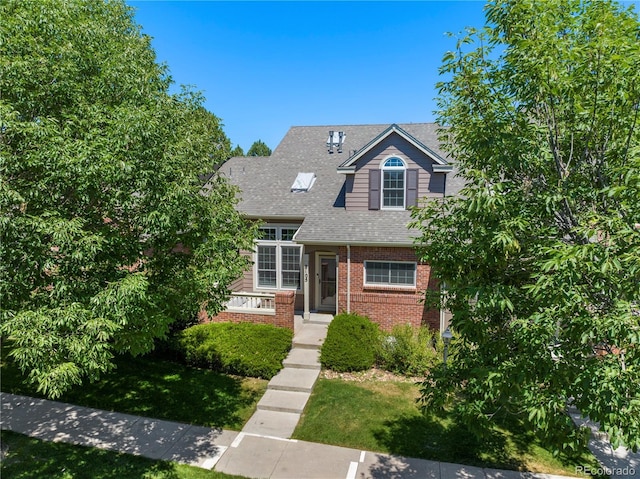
[285,301]
[387,305]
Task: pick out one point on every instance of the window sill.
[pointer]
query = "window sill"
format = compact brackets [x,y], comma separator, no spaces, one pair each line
[274,289]
[390,288]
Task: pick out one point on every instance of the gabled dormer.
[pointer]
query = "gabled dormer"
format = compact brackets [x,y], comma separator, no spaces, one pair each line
[392,171]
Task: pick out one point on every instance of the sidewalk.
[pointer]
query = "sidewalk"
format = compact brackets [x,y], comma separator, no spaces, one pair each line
[243,454]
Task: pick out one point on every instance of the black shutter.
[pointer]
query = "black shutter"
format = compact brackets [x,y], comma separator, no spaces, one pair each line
[412,188]
[374,189]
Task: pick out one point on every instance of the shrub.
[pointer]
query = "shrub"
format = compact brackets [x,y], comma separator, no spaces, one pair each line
[247,349]
[410,351]
[350,343]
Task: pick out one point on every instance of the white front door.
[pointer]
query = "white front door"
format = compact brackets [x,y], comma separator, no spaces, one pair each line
[326,283]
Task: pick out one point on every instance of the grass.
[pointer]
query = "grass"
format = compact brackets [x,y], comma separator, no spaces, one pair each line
[25,458]
[159,389]
[383,416]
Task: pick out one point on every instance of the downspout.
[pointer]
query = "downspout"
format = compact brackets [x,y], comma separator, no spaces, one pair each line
[442,317]
[443,285]
[348,278]
[337,311]
[306,315]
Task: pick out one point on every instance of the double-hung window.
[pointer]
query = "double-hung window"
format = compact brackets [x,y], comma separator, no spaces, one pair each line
[278,258]
[389,273]
[393,183]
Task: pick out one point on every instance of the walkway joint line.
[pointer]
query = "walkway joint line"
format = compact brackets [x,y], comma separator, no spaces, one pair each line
[252,434]
[353,470]
[236,442]
[212,461]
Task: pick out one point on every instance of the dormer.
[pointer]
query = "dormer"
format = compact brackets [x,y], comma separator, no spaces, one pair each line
[392,172]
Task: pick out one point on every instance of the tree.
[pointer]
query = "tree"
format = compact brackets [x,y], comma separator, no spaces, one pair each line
[540,255]
[259,148]
[108,236]
[237,151]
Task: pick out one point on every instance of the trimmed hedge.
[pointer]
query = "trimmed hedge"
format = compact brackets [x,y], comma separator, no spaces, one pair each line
[246,349]
[350,344]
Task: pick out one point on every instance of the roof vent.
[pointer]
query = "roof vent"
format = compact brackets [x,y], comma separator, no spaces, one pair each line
[303,182]
[336,138]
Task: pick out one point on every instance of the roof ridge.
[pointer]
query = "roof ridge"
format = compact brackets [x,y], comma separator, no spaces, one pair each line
[366,124]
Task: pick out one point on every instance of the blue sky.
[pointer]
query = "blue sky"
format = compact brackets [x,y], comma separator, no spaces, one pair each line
[266,66]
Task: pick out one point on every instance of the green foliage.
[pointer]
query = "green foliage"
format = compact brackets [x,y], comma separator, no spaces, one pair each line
[410,351]
[259,148]
[247,349]
[99,183]
[237,151]
[541,252]
[350,343]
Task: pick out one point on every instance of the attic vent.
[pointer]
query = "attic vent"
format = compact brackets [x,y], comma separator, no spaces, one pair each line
[303,182]
[336,138]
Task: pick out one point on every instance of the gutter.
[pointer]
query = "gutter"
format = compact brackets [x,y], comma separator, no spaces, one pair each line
[355,243]
[348,278]
[442,168]
[275,218]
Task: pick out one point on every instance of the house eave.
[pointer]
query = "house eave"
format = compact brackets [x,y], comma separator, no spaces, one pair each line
[380,244]
[276,218]
[350,162]
[442,168]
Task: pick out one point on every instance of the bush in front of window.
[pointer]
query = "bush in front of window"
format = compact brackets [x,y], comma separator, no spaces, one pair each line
[350,344]
[409,351]
[246,349]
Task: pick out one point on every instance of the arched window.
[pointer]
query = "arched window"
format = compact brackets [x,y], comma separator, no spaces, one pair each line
[393,183]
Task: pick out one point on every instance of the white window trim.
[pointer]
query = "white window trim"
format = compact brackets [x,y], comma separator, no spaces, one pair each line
[390,285]
[402,168]
[278,243]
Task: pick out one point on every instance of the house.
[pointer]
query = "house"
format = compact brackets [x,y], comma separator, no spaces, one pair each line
[334,205]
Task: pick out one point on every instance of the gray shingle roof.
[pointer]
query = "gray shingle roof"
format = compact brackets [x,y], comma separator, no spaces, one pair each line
[390,129]
[265,185]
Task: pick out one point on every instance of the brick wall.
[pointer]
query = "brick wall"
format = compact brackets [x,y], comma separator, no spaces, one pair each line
[283,318]
[387,305]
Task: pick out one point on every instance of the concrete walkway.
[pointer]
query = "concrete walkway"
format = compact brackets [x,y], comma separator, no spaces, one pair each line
[244,454]
[279,410]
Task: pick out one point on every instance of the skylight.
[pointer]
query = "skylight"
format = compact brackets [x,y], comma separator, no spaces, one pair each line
[303,182]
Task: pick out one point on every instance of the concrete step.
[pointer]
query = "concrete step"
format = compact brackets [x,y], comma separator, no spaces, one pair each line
[310,336]
[321,323]
[318,318]
[283,401]
[302,359]
[272,423]
[294,379]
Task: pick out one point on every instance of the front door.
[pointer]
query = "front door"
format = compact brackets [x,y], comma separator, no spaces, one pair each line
[327,280]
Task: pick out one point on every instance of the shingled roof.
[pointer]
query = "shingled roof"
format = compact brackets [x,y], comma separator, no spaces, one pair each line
[266,182]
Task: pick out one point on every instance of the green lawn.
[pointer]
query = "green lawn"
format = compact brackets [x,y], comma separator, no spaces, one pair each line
[384,417]
[26,458]
[159,389]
